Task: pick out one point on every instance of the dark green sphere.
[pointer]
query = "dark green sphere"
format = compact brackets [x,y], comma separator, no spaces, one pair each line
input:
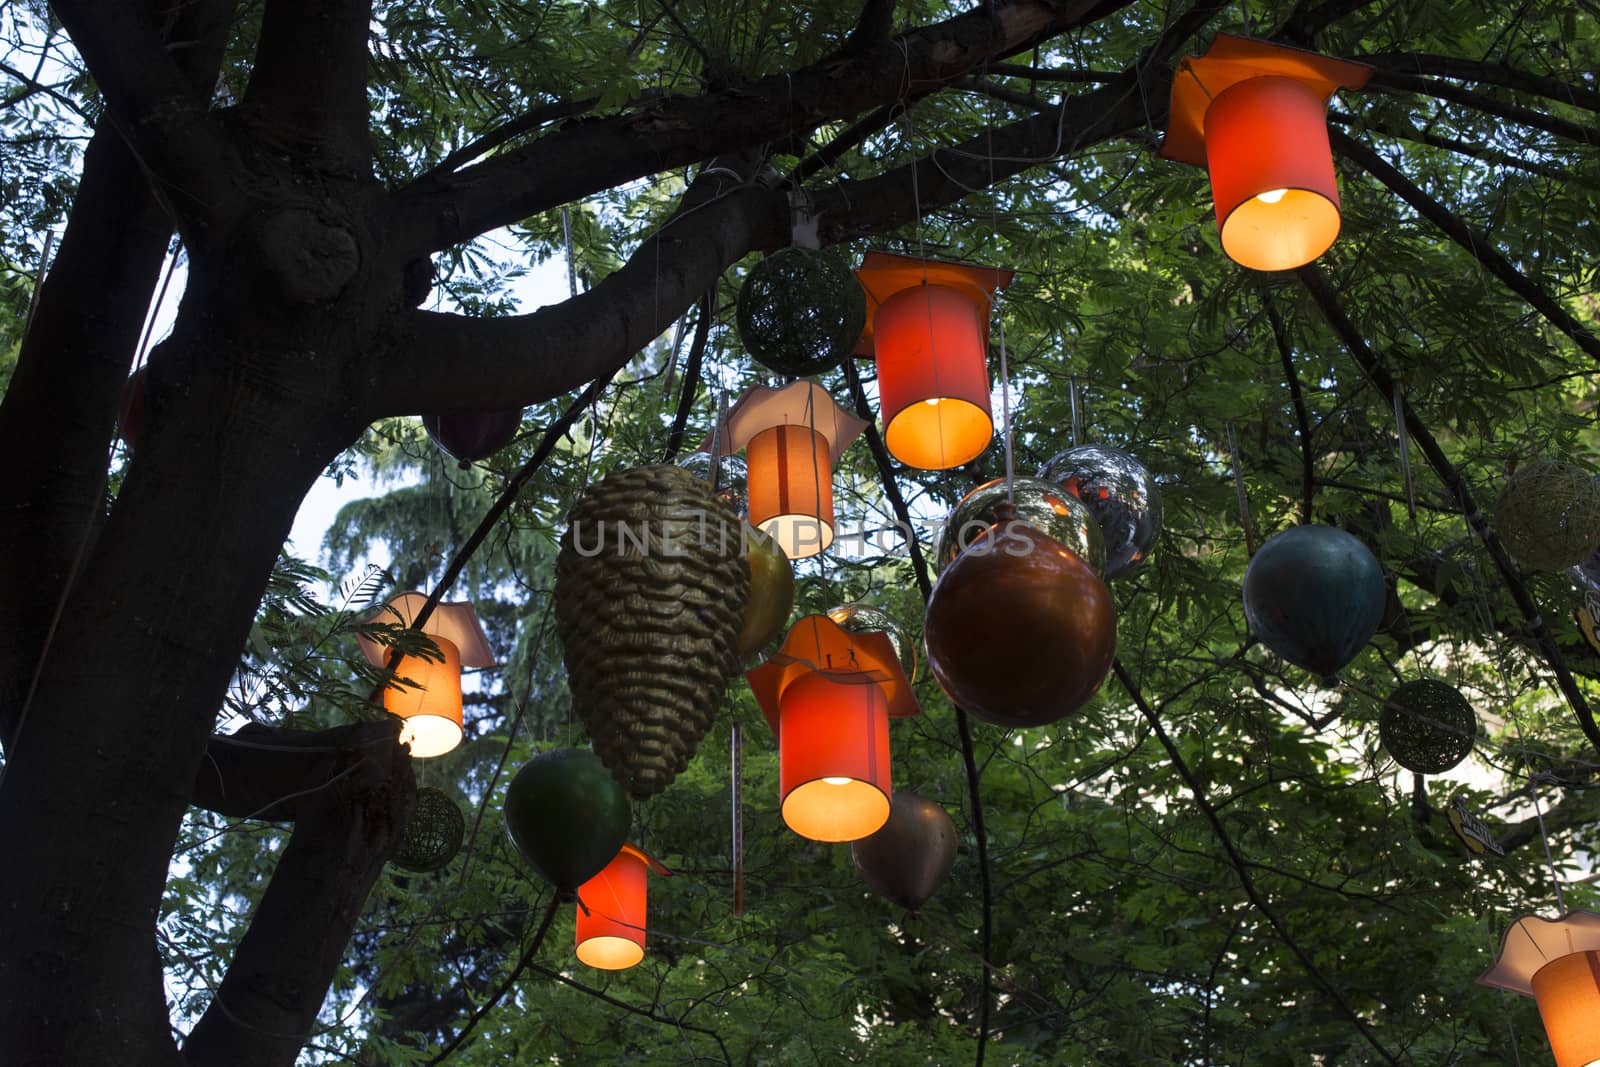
[801,311]
[433,836]
[567,816]
[1427,726]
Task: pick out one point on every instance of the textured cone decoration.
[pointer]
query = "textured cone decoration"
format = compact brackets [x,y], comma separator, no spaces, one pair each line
[433,836]
[651,590]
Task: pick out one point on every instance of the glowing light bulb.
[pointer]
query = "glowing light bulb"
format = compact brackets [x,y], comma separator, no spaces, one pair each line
[838,781]
[1272,196]
[932,402]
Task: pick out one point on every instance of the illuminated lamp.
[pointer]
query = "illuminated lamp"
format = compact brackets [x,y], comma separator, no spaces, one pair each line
[928,328]
[1254,115]
[792,437]
[611,911]
[431,707]
[1558,964]
[829,695]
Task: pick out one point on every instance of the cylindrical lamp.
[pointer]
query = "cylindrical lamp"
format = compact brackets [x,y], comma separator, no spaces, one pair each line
[1253,113]
[611,913]
[1567,990]
[1272,173]
[930,343]
[432,707]
[833,756]
[790,487]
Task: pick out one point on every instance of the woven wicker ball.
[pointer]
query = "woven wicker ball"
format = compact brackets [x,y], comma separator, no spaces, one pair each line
[1427,726]
[433,836]
[1548,514]
[800,311]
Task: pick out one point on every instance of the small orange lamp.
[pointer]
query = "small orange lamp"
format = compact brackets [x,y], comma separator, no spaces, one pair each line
[828,696]
[611,911]
[928,327]
[431,707]
[1254,114]
[1558,964]
[792,437]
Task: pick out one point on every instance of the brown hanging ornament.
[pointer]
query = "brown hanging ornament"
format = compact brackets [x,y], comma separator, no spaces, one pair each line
[651,589]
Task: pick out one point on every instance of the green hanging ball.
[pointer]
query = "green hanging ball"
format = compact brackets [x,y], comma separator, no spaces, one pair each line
[1427,726]
[801,311]
[567,816]
[433,836]
[1548,514]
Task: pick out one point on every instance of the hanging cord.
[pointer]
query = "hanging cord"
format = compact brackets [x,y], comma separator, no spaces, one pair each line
[1005,403]
[1405,453]
[1077,416]
[1238,489]
[38,284]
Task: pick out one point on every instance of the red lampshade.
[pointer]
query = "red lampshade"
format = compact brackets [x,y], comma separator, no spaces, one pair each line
[610,934]
[929,328]
[790,483]
[431,708]
[1255,114]
[1272,173]
[833,756]
[1568,992]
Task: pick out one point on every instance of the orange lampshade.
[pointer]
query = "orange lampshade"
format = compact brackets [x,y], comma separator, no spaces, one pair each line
[1568,992]
[610,933]
[432,707]
[790,483]
[1254,114]
[929,328]
[1557,962]
[833,756]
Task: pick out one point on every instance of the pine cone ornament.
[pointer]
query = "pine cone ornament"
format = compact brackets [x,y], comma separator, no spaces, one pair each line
[651,588]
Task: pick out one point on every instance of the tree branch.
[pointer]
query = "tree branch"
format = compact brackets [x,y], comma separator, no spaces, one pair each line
[1475,243]
[457,363]
[308,87]
[157,109]
[264,1011]
[1488,105]
[1470,149]
[581,158]
[1242,867]
[1501,74]
[1333,310]
[691,377]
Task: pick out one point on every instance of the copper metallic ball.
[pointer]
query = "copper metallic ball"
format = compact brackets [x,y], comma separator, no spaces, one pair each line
[1020,631]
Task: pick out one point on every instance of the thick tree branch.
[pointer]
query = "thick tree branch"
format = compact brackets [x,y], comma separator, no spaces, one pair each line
[71,369]
[264,1011]
[691,377]
[1333,310]
[581,158]
[1475,243]
[1398,131]
[157,109]
[457,363]
[308,87]
[1242,867]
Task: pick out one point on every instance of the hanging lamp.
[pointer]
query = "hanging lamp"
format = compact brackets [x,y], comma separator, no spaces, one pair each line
[829,695]
[611,911]
[791,438]
[928,332]
[1557,962]
[1254,114]
[431,707]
